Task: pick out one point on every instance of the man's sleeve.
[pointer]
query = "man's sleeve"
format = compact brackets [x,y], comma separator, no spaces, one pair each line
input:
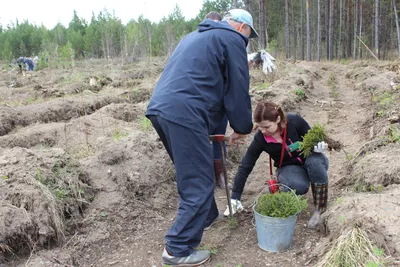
[237,99]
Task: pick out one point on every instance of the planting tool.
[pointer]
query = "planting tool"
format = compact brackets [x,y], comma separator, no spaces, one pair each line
[220,138]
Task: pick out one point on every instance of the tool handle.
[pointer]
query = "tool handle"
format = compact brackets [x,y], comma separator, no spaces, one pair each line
[219,138]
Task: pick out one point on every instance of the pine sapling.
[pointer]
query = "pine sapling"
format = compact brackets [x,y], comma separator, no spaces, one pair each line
[315,135]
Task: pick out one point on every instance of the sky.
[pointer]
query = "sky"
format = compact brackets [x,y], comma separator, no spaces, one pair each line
[51,12]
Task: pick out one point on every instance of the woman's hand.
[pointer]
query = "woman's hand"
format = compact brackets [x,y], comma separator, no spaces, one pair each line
[320,147]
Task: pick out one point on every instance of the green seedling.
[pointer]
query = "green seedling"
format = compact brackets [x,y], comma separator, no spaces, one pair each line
[311,138]
[300,93]
[118,134]
[212,250]
[233,222]
[280,205]
[145,124]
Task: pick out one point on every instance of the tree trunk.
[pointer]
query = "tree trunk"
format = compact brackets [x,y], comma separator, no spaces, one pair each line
[331,9]
[355,29]
[397,26]
[308,32]
[236,3]
[348,35]
[327,28]
[263,44]
[247,7]
[319,31]
[339,54]
[360,31]
[301,29]
[377,28]
[294,33]
[287,34]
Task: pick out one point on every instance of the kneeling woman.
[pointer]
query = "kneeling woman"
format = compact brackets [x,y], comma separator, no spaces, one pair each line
[277,135]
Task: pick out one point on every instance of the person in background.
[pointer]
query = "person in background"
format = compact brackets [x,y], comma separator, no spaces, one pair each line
[30,64]
[205,79]
[277,129]
[35,61]
[21,63]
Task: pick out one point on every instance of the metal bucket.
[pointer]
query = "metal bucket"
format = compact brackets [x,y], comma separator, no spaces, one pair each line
[274,234]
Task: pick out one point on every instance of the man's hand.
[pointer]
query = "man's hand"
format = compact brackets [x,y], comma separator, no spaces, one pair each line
[235,137]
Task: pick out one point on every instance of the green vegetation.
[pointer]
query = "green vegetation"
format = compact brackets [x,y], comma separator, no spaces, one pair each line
[394,133]
[314,135]
[118,134]
[280,205]
[300,93]
[332,85]
[233,222]
[59,46]
[212,250]
[145,124]
[362,187]
[262,86]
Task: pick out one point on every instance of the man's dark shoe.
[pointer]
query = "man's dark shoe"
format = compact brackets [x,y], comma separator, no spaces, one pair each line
[197,258]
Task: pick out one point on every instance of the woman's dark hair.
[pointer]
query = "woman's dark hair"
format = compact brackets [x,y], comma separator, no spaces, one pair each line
[267,110]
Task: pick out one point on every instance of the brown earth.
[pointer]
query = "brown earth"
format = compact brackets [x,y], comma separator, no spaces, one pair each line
[86,182]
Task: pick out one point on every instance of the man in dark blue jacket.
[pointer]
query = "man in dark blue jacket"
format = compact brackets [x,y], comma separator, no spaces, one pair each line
[206,78]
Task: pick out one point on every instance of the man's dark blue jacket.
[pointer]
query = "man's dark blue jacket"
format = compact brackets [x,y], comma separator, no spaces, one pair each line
[206,77]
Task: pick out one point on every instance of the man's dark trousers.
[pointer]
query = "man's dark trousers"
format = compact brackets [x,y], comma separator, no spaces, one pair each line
[191,153]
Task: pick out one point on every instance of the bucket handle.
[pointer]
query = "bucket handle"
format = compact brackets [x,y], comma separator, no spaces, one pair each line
[280,184]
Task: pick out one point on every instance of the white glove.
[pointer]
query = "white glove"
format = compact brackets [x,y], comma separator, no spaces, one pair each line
[236,207]
[320,147]
[251,57]
[268,64]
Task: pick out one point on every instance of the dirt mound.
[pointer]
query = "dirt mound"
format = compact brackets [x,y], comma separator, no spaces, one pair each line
[125,112]
[39,191]
[44,134]
[371,171]
[137,164]
[376,213]
[52,111]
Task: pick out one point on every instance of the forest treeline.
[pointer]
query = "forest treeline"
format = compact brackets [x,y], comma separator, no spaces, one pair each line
[292,29]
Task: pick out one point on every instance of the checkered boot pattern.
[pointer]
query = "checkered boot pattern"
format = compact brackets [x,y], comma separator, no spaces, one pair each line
[320,196]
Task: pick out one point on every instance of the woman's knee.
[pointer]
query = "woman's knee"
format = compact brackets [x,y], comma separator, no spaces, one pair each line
[317,166]
[294,177]
[317,161]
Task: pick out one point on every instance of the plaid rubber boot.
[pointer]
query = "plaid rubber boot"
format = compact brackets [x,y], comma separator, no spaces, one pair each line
[320,196]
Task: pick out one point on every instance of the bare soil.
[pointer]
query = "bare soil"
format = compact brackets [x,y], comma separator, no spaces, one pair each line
[85,181]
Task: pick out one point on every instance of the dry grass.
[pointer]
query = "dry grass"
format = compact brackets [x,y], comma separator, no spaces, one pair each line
[54,211]
[353,248]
